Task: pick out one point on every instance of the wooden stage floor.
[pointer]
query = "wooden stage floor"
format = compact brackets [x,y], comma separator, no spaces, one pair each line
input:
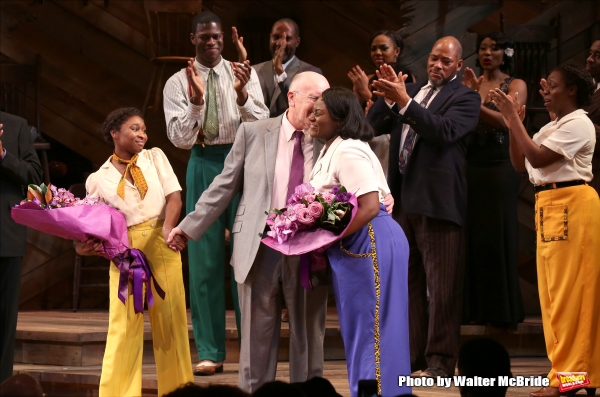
[63,350]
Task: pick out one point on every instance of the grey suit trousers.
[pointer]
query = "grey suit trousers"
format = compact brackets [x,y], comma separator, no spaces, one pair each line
[274,277]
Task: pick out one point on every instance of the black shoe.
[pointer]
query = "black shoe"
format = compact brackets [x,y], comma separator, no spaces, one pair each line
[434,372]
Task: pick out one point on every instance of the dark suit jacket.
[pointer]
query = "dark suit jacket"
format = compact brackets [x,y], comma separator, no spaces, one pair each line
[435,181]
[20,167]
[275,96]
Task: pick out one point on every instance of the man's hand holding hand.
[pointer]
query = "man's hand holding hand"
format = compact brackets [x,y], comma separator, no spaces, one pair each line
[177,239]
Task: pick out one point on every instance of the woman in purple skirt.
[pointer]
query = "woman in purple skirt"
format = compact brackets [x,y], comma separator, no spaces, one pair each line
[370,264]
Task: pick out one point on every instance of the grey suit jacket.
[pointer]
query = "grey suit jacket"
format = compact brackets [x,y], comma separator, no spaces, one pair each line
[250,169]
[275,96]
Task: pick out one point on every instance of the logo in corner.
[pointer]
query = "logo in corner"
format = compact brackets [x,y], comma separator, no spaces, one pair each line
[572,380]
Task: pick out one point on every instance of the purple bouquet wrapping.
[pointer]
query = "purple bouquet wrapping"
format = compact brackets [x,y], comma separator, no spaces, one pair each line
[59,213]
[311,223]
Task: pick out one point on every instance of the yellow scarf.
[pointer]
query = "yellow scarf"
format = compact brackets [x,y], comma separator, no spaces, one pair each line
[136,174]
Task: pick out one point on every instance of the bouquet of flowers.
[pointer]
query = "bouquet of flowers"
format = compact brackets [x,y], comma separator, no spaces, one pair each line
[57,212]
[310,223]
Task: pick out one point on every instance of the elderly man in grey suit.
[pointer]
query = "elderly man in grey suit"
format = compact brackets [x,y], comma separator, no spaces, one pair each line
[275,75]
[265,158]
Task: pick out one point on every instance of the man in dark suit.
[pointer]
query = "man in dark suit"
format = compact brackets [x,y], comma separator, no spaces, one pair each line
[428,123]
[592,65]
[19,166]
[276,74]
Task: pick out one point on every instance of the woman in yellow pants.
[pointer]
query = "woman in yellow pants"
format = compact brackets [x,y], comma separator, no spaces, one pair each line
[559,162]
[141,184]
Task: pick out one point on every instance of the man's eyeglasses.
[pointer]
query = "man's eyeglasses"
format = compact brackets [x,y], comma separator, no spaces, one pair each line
[310,98]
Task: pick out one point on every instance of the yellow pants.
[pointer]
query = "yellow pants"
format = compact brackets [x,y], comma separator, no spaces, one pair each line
[122,364]
[568,267]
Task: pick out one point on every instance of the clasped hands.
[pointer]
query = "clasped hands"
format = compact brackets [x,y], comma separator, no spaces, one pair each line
[391,86]
[175,238]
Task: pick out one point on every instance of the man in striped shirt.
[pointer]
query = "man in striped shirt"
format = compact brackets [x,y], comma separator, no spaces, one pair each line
[204,104]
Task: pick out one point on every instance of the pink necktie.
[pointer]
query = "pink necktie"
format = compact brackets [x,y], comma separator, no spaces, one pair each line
[297,168]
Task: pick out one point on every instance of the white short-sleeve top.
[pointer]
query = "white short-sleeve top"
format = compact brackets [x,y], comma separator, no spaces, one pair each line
[161,182]
[351,163]
[574,137]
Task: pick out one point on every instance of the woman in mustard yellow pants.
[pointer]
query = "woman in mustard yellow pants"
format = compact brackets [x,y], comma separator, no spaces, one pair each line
[141,184]
[559,162]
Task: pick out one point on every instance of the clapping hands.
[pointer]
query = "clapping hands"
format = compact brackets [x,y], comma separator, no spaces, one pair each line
[238,42]
[391,86]
[509,108]
[195,84]
[470,79]
[360,83]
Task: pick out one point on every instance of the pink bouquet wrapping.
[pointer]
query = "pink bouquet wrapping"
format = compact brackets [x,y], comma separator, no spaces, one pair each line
[59,213]
[311,223]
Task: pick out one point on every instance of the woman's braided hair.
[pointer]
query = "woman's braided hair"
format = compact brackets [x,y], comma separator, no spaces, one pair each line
[115,120]
[576,75]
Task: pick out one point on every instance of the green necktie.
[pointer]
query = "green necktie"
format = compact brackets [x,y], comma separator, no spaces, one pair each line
[211,120]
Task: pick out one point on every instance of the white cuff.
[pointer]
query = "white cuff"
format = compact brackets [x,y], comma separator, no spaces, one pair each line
[401,111]
[282,77]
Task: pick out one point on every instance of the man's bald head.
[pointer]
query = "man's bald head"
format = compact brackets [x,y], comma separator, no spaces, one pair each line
[445,61]
[310,80]
[305,89]
[452,43]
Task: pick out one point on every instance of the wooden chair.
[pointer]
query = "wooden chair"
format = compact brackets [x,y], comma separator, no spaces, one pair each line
[78,190]
[169,25]
[533,62]
[20,95]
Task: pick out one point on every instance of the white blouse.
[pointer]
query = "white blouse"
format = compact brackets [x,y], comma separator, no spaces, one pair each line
[161,182]
[573,137]
[351,163]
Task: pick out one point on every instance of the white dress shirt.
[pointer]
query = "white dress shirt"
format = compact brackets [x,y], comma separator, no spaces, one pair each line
[352,164]
[283,161]
[184,119]
[573,137]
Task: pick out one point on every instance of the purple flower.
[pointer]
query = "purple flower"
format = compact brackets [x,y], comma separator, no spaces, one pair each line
[305,188]
[343,197]
[335,189]
[283,226]
[315,209]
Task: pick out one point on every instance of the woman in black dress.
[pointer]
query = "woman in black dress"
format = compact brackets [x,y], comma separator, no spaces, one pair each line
[492,291]
[386,46]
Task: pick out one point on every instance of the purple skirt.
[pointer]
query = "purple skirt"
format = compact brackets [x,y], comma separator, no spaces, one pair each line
[370,279]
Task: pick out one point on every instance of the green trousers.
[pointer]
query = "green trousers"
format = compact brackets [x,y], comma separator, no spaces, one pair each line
[207,257]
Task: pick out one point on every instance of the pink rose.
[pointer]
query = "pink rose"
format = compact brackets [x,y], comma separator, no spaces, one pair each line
[328,197]
[305,218]
[296,208]
[315,209]
[309,198]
